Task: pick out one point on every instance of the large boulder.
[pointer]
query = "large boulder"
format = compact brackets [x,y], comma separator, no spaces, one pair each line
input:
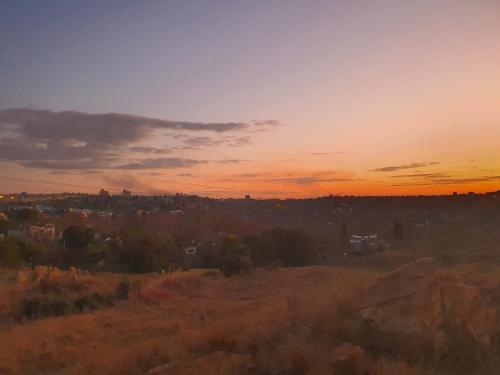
[420,299]
[349,359]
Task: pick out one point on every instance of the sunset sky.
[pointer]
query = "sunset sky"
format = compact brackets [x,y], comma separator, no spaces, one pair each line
[269,98]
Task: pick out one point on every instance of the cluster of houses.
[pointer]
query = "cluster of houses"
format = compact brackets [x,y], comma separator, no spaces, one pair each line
[365,244]
[43,233]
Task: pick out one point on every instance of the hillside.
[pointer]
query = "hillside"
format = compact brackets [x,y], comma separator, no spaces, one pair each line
[289,320]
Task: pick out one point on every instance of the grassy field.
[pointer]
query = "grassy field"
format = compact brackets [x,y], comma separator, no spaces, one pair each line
[284,321]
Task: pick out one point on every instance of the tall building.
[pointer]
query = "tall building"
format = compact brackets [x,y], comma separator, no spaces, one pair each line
[103,193]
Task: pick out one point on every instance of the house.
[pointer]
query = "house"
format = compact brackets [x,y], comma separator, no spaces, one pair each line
[200,254]
[191,250]
[361,244]
[42,233]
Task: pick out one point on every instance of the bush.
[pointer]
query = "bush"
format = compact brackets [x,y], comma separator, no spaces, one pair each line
[291,247]
[398,231]
[234,257]
[10,252]
[123,289]
[92,302]
[61,304]
[234,264]
[148,254]
[51,305]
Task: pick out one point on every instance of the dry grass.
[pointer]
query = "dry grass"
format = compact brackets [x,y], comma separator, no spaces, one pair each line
[266,322]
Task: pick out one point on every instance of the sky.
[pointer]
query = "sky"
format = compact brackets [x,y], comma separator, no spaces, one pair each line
[268,98]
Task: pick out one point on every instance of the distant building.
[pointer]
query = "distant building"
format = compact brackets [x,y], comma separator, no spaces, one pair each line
[126,193]
[103,193]
[104,214]
[42,233]
[191,250]
[360,244]
[83,212]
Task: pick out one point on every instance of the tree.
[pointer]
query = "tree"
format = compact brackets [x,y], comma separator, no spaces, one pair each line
[398,231]
[148,253]
[295,248]
[234,256]
[291,247]
[25,215]
[75,241]
[77,237]
[262,248]
[30,252]
[4,227]
[10,251]
[344,237]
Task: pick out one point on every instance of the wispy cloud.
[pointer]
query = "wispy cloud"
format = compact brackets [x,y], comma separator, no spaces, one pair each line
[310,180]
[405,166]
[450,181]
[457,181]
[162,163]
[293,178]
[232,161]
[420,175]
[150,150]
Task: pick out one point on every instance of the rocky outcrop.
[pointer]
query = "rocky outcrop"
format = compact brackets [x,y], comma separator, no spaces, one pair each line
[420,299]
[349,359]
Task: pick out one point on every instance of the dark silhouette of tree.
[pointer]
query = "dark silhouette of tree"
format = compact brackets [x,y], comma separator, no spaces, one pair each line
[4,226]
[344,237]
[291,247]
[77,237]
[234,257]
[10,252]
[25,215]
[398,231]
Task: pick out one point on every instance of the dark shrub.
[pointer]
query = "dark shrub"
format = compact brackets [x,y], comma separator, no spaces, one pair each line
[234,264]
[49,305]
[57,306]
[398,231]
[291,247]
[93,302]
[234,256]
[123,289]
[31,308]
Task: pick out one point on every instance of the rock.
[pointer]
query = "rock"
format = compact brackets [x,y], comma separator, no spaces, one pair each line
[419,299]
[159,369]
[349,359]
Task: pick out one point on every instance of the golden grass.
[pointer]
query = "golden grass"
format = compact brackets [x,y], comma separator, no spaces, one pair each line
[198,322]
